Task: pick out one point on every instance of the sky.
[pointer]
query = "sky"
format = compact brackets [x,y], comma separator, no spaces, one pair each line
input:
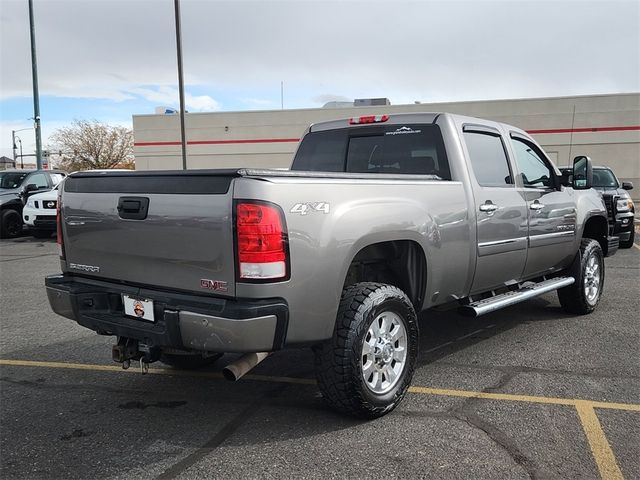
[110,59]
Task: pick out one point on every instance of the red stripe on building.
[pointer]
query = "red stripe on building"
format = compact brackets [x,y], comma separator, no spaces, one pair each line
[585,129]
[623,128]
[219,142]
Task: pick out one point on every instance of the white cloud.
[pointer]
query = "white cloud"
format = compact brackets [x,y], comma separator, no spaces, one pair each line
[168,96]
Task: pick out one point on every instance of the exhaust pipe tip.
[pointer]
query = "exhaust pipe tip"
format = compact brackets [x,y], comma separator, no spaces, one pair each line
[230,374]
[241,366]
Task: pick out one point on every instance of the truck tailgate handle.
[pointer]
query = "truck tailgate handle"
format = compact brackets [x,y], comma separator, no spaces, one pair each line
[133,208]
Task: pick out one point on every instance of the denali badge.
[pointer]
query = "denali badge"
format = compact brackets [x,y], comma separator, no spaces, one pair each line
[84,268]
[215,285]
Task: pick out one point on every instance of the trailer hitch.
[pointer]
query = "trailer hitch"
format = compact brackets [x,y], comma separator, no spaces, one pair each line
[128,349]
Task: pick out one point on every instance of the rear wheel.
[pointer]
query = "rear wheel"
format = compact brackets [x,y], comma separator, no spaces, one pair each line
[629,243]
[10,224]
[588,270]
[366,368]
[188,362]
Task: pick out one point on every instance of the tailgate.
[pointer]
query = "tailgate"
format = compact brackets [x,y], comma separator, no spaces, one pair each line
[166,229]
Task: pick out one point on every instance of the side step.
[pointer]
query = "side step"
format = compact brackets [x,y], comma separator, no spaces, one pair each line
[527,291]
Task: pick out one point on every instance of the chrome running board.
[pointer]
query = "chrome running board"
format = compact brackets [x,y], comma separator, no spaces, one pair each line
[525,292]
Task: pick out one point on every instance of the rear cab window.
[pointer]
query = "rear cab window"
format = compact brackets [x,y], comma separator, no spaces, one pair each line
[410,149]
[488,157]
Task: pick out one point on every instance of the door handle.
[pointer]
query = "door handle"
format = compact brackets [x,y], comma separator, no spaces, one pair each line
[488,207]
[536,206]
[133,208]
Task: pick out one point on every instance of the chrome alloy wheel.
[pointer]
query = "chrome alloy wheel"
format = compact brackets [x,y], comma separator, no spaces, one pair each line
[592,279]
[384,353]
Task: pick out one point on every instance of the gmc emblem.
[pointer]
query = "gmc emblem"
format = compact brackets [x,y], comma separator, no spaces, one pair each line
[215,285]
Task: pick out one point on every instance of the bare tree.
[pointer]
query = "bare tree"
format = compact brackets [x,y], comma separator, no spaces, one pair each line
[90,144]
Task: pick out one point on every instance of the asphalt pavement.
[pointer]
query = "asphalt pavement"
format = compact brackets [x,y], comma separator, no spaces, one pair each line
[527,392]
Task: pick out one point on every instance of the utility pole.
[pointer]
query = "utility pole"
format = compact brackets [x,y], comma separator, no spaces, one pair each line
[13,144]
[180,83]
[36,98]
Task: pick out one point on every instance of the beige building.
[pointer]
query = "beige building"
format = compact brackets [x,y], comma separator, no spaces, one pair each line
[605,127]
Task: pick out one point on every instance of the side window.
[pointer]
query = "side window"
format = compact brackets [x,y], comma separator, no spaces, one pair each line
[488,159]
[39,179]
[534,170]
[56,178]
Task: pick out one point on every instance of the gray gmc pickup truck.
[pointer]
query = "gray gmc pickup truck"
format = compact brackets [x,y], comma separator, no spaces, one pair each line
[378,219]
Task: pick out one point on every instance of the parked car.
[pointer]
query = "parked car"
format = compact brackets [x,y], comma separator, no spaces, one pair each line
[620,207]
[39,213]
[380,218]
[16,186]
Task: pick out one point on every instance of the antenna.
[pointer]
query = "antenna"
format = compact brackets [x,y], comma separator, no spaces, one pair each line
[282,94]
[573,121]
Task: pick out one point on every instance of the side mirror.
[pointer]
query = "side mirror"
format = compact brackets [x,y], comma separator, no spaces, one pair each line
[32,187]
[566,179]
[582,173]
[627,185]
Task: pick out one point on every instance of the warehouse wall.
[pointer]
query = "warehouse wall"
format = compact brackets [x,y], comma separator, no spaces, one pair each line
[605,127]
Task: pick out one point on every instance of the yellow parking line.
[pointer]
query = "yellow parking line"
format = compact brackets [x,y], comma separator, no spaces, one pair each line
[523,398]
[600,448]
[309,381]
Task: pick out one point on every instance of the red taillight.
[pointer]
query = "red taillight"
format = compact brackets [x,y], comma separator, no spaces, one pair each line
[368,119]
[261,241]
[59,238]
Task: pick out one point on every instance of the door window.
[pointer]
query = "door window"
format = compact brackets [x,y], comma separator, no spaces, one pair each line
[56,178]
[534,169]
[39,180]
[488,159]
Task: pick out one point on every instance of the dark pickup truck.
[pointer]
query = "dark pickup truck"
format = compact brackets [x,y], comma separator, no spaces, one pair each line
[620,207]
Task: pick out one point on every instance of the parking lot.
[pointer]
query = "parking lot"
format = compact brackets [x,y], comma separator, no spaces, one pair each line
[528,392]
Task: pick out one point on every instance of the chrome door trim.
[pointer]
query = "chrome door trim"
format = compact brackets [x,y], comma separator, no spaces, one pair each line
[551,238]
[502,246]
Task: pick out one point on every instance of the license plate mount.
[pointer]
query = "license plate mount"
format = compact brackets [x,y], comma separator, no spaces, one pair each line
[140,308]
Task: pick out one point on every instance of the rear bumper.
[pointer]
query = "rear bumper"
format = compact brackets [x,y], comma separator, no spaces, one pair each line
[181,320]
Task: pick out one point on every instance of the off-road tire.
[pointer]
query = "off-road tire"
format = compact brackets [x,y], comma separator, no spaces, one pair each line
[573,298]
[629,243]
[188,362]
[10,223]
[37,233]
[338,361]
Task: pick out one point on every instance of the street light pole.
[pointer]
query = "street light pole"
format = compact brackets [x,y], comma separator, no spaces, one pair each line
[14,148]
[36,98]
[180,83]
[21,156]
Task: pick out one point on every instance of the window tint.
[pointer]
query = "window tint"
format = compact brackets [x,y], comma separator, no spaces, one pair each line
[11,179]
[488,159]
[39,180]
[321,152]
[391,149]
[604,178]
[534,171]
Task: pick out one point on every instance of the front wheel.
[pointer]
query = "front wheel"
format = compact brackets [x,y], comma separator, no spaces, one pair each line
[10,224]
[588,270]
[367,367]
